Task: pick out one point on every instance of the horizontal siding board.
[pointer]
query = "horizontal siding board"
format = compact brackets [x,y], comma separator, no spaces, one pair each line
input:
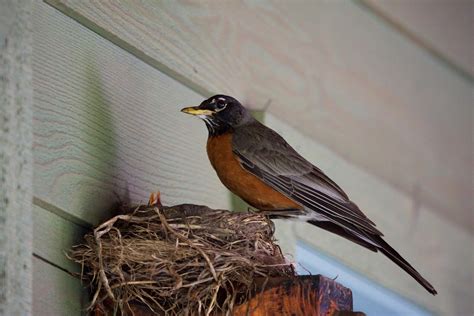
[53,236]
[56,292]
[107,126]
[420,235]
[452,41]
[333,69]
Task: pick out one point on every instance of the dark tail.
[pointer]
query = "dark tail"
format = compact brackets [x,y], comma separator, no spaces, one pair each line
[383,247]
[393,255]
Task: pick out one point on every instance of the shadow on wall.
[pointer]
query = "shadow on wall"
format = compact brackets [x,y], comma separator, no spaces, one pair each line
[98,190]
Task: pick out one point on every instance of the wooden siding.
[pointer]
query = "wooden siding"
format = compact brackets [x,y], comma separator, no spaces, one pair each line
[442,27]
[56,292]
[332,69]
[54,236]
[104,127]
[435,247]
[107,125]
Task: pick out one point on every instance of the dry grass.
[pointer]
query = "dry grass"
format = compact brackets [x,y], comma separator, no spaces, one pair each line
[179,260]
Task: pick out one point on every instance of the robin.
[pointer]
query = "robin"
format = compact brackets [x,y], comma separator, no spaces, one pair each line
[257,164]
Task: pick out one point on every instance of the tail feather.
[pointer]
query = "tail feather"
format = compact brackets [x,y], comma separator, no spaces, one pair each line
[393,255]
[382,246]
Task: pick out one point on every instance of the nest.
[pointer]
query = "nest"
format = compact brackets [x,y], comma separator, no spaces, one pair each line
[181,260]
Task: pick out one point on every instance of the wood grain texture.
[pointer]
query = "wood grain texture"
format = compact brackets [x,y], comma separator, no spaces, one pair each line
[53,236]
[16,162]
[332,69]
[56,292]
[107,125]
[301,296]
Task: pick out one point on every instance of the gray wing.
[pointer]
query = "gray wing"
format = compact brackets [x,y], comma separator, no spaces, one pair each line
[268,156]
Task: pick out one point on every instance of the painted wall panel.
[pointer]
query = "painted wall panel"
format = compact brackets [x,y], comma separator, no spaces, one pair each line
[333,69]
[437,248]
[108,126]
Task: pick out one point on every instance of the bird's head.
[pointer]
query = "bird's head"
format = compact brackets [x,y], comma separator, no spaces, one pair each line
[221,113]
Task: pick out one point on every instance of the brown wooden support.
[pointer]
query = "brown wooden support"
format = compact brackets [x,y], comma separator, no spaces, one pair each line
[300,296]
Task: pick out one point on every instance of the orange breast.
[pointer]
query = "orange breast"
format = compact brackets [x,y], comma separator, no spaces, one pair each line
[244,184]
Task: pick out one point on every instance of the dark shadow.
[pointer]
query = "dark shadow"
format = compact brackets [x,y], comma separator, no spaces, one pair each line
[102,190]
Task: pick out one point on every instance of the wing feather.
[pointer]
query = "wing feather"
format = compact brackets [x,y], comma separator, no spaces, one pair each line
[268,156]
[281,167]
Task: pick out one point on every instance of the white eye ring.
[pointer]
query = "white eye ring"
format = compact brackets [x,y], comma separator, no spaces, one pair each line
[220,105]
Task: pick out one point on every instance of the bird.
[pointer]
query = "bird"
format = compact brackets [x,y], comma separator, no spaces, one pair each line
[258,165]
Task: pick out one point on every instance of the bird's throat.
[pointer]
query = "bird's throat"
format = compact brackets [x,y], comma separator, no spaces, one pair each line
[216,127]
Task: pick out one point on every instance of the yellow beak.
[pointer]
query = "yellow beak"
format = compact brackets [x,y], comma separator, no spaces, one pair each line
[194,110]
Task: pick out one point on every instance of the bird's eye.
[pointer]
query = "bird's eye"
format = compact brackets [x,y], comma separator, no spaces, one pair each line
[220,104]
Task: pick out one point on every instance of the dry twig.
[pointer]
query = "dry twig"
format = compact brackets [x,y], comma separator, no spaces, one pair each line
[179,260]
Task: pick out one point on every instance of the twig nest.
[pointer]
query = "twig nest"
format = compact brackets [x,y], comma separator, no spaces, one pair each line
[179,260]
